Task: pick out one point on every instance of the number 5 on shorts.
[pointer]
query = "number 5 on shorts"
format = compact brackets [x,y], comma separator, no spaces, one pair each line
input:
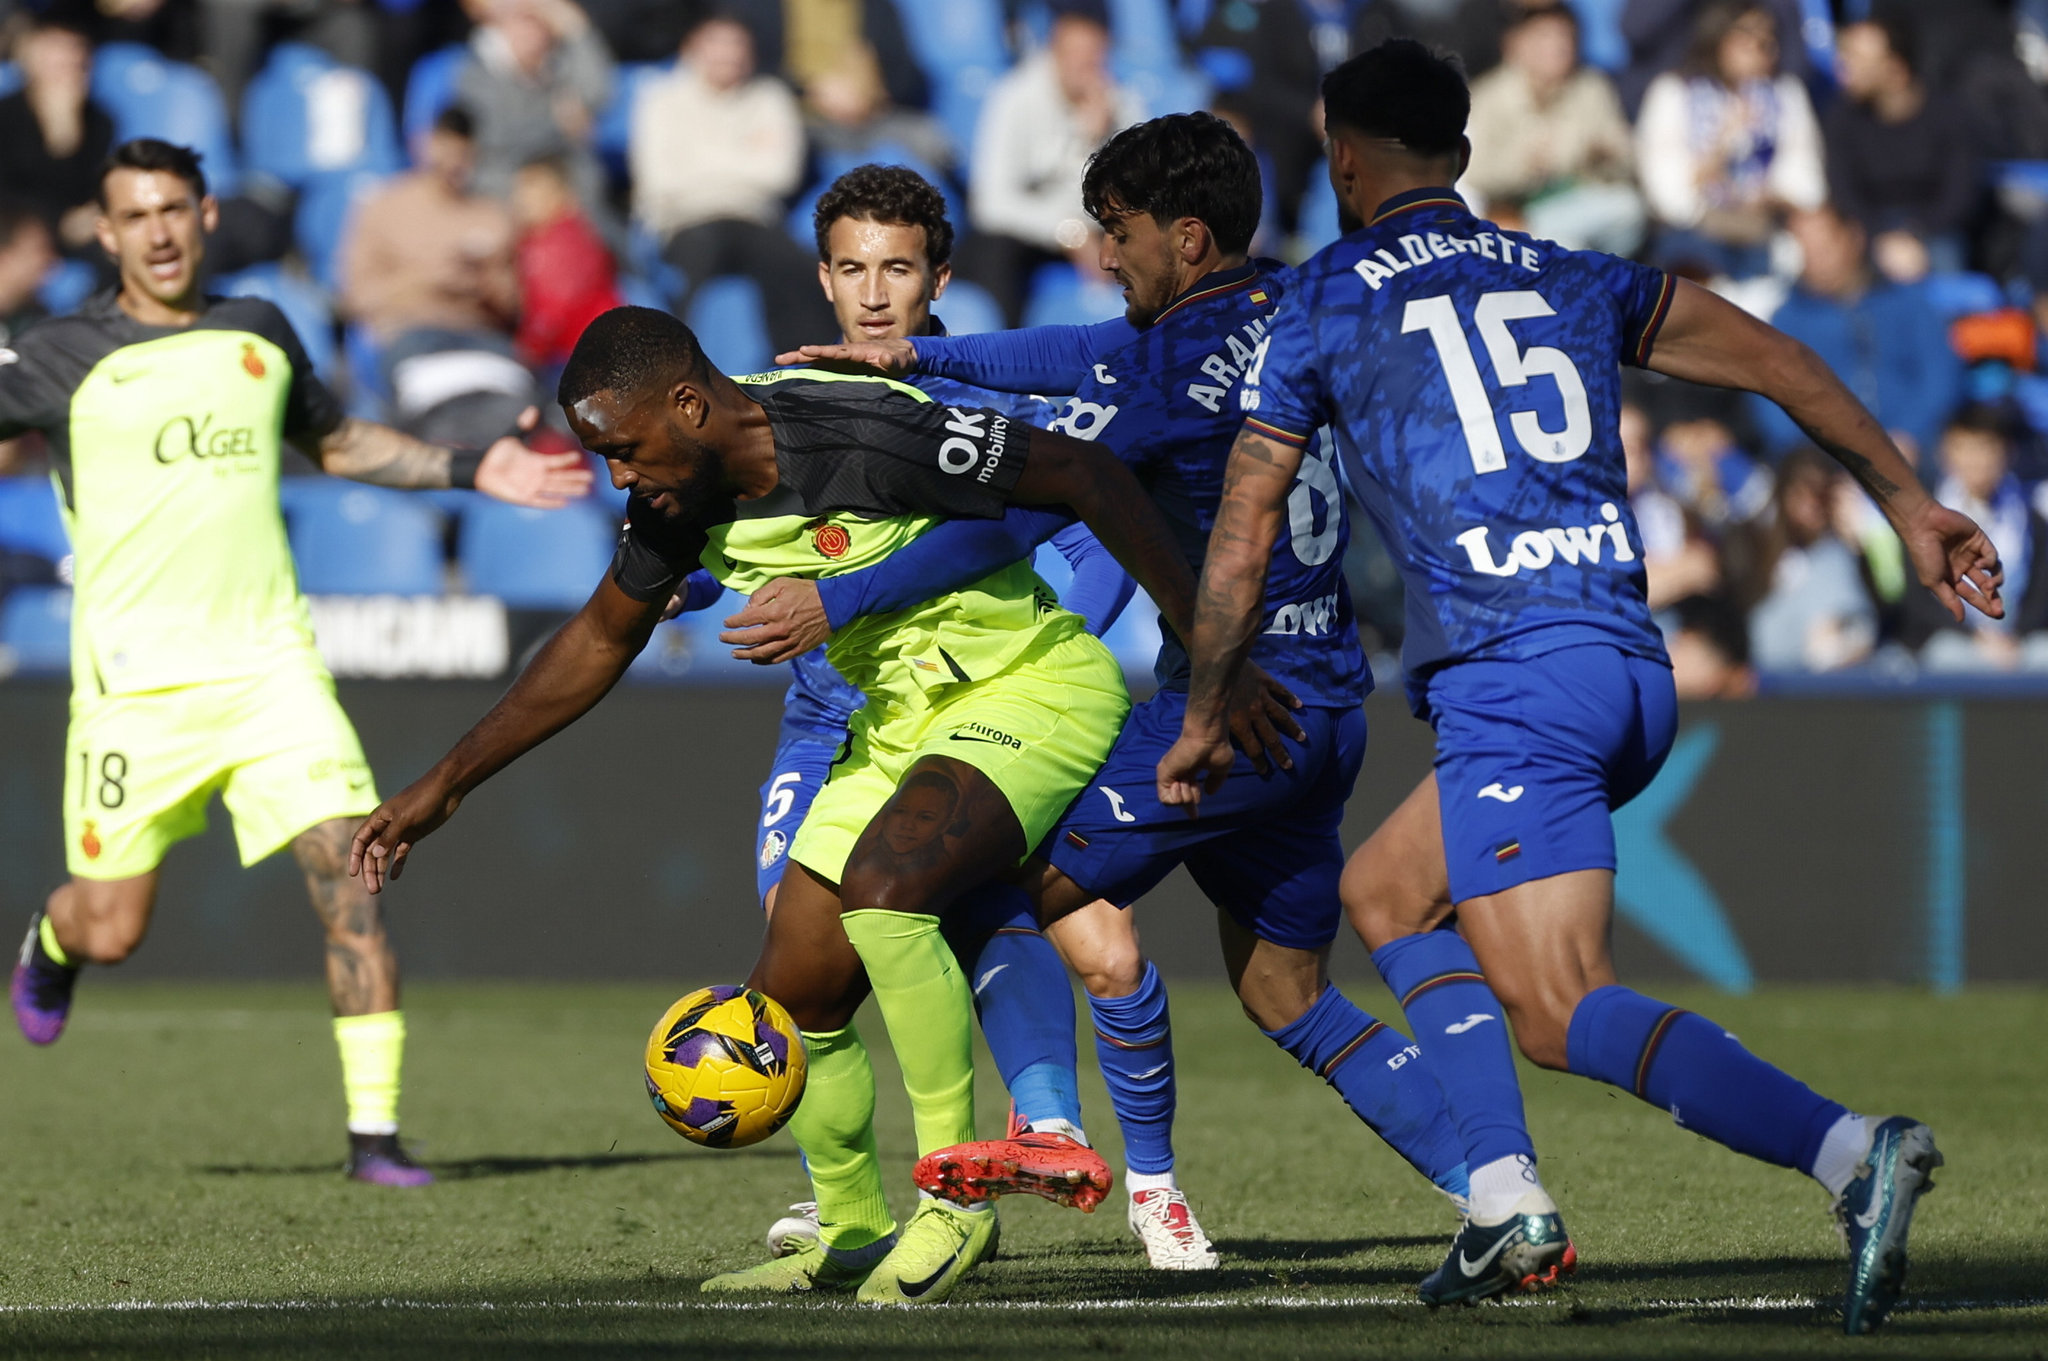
[780,797]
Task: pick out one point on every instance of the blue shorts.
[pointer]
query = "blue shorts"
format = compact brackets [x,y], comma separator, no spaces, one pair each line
[803,758]
[1533,755]
[1266,849]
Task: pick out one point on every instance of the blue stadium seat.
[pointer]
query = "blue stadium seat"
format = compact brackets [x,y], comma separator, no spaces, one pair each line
[967,309]
[536,559]
[303,303]
[614,128]
[1956,295]
[2030,390]
[1146,58]
[10,78]
[35,626]
[1317,224]
[429,89]
[350,539]
[149,96]
[30,521]
[1060,298]
[320,223]
[726,315]
[960,45]
[1600,40]
[306,115]
[69,283]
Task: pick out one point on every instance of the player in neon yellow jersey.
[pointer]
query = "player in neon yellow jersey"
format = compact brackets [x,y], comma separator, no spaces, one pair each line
[192,658]
[988,709]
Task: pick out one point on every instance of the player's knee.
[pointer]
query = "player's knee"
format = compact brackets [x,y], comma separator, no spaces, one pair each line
[1111,968]
[347,910]
[882,890]
[1276,1003]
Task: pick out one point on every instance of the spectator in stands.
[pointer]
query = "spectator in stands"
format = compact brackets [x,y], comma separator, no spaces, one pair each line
[566,273]
[1271,58]
[1470,28]
[1680,559]
[26,255]
[1901,159]
[1885,339]
[1726,144]
[716,151]
[52,136]
[1549,144]
[1709,649]
[819,46]
[1977,479]
[1815,613]
[1701,462]
[1660,33]
[856,104]
[1041,123]
[427,264]
[536,77]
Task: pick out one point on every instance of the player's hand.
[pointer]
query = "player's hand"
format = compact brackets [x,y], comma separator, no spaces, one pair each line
[1953,558]
[893,357]
[526,477]
[387,836]
[782,621]
[1195,764]
[1260,715]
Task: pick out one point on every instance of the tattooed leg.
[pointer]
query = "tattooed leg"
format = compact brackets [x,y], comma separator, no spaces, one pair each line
[362,972]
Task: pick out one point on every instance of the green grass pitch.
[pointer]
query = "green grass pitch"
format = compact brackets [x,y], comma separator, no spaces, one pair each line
[172,1189]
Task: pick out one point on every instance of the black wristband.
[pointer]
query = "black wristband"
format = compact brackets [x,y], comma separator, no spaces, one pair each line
[462,466]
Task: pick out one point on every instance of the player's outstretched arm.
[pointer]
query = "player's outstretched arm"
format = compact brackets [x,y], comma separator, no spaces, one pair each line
[1706,339]
[1106,494]
[364,451]
[1255,485]
[575,670]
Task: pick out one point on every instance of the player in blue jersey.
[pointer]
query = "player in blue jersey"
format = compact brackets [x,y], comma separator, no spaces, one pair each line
[1471,375]
[1179,198]
[884,247]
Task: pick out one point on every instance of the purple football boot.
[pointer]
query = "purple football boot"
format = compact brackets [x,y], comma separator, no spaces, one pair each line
[382,1161]
[40,988]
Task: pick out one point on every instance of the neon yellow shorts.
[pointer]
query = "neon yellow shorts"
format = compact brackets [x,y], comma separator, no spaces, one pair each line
[139,769]
[1039,731]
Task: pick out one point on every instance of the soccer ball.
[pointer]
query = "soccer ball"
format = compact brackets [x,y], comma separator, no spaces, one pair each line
[725,1067]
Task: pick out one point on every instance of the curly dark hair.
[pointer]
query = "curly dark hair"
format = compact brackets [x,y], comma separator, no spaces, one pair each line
[1403,91]
[1183,165]
[892,194]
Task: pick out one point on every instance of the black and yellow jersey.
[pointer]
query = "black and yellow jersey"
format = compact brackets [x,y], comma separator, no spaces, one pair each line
[165,447]
[865,466]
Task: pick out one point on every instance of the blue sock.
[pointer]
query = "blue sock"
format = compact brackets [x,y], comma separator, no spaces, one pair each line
[1700,1073]
[1384,1079]
[1462,1030]
[1023,998]
[1135,1046]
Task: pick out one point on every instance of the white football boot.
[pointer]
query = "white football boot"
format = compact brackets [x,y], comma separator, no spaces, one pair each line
[793,1230]
[1166,1226]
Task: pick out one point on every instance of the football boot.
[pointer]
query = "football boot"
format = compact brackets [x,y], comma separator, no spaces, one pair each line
[805,1269]
[1876,1210]
[1526,1251]
[1166,1226]
[940,1245]
[381,1160]
[1058,1167]
[40,988]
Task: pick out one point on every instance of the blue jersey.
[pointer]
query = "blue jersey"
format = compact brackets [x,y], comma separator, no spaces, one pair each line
[1166,402]
[1471,376]
[819,699]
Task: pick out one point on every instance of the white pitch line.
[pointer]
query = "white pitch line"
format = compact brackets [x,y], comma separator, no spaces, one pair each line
[1745,1304]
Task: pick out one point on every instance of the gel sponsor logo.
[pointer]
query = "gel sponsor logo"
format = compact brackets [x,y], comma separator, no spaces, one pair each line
[1536,549]
[1312,617]
[974,438]
[185,437]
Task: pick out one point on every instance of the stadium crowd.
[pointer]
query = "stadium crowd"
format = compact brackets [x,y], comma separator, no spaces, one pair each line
[441,196]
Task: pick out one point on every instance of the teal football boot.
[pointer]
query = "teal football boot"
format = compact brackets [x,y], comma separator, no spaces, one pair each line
[1875,1212]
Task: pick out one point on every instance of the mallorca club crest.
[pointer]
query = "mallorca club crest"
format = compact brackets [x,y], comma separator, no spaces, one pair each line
[831,540]
[252,362]
[89,841]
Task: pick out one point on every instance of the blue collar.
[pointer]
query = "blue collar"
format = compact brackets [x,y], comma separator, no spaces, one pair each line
[1214,284]
[1419,198]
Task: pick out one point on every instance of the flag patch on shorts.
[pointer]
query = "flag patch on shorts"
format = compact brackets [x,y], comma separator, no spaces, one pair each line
[1077,841]
[1503,854]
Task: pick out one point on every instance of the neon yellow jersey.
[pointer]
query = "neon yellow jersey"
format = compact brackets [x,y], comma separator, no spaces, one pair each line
[165,448]
[866,466]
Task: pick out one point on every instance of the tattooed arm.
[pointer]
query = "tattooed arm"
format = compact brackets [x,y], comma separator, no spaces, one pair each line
[1227,603]
[364,451]
[1706,339]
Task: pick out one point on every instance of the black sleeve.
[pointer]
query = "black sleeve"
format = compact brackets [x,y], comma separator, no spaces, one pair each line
[882,454]
[655,552]
[32,395]
[311,412]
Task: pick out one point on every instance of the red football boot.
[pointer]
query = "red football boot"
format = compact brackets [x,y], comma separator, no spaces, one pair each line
[1059,1168]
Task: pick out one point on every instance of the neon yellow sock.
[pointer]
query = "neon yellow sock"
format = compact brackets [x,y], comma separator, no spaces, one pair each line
[372,1050]
[50,946]
[925,999]
[835,1127]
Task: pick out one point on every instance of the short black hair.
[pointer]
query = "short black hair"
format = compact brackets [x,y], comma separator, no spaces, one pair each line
[1183,165]
[1901,35]
[627,348]
[457,122]
[892,194]
[1981,418]
[1403,91]
[148,153]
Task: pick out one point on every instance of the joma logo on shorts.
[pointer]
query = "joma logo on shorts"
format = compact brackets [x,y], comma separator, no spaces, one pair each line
[1536,549]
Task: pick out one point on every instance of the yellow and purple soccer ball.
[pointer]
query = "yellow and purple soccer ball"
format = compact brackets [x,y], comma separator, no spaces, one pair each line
[725,1067]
